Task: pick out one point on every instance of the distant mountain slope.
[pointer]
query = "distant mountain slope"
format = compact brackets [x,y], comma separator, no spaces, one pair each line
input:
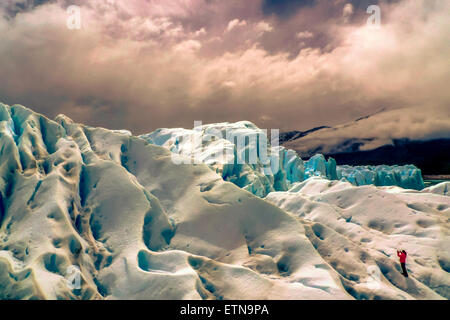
[385,138]
[432,157]
[293,135]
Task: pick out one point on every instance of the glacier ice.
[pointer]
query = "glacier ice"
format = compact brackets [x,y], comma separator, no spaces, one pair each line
[233,150]
[216,145]
[407,177]
[357,229]
[135,225]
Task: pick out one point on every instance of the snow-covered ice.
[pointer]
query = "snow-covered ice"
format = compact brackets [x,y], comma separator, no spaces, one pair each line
[217,145]
[138,226]
[356,229]
[120,215]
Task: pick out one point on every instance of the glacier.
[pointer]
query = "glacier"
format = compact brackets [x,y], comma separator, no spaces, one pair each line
[407,177]
[217,146]
[118,212]
[136,225]
[357,229]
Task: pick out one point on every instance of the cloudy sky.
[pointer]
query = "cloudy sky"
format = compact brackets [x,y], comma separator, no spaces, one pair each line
[287,64]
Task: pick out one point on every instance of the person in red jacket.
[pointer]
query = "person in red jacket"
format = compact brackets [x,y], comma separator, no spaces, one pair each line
[402,255]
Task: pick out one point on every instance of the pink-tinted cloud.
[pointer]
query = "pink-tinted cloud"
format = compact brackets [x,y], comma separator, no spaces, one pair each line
[141,64]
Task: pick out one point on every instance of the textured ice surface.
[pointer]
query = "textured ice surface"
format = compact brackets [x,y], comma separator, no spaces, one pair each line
[407,177]
[357,230]
[235,151]
[441,188]
[223,152]
[138,226]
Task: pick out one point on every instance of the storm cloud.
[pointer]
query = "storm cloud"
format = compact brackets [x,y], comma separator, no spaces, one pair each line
[285,7]
[141,65]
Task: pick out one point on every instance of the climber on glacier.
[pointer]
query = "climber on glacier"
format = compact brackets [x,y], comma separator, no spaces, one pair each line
[402,255]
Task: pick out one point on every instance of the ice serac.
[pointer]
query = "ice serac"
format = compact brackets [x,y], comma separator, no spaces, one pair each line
[233,150]
[318,166]
[407,177]
[240,152]
[136,225]
[217,145]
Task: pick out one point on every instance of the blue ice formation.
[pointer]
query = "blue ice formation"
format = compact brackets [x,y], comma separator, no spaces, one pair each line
[408,176]
[228,149]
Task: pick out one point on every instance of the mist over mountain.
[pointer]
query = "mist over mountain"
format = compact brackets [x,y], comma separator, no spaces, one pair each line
[374,140]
